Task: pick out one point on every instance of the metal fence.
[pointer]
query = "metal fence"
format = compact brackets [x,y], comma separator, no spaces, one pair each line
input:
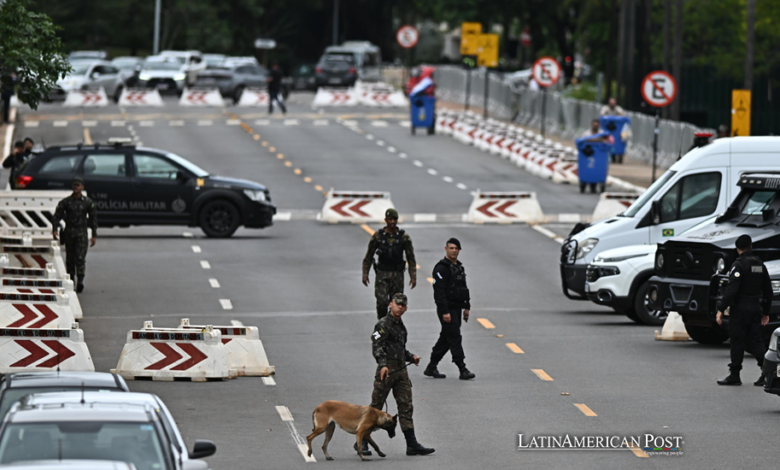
[566,118]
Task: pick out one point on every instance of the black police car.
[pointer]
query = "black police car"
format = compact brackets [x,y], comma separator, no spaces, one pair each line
[144,186]
[691,269]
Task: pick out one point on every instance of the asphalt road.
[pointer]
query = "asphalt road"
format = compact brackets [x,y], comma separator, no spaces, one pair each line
[299,282]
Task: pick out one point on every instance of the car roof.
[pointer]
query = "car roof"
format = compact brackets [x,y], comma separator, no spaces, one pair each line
[162,58]
[180,53]
[129,398]
[57,379]
[100,412]
[69,464]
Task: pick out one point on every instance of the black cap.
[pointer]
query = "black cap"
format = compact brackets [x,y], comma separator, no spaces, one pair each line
[19,144]
[78,180]
[455,242]
[744,242]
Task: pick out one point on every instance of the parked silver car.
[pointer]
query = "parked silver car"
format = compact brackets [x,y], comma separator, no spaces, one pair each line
[90,75]
[233,80]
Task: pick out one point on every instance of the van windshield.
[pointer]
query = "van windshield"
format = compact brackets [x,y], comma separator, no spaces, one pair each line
[648,194]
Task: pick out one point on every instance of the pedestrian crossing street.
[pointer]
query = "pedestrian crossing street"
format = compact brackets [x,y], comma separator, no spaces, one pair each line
[214,121]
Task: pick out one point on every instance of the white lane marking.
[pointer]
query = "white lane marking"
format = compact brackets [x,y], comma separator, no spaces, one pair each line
[425,217]
[32,123]
[129,127]
[195,249]
[462,186]
[205,264]
[205,122]
[233,122]
[447,179]
[284,413]
[320,122]
[214,283]
[117,123]
[236,323]
[262,122]
[350,123]
[548,233]
[226,304]
[89,123]
[176,123]
[291,122]
[271,381]
[433,172]
[402,155]
[391,149]
[369,137]
[405,123]
[418,163]
[146,123]
[283,216]
[60,123]
[287,417]
[380,143]
[379,123]
[570,218]
[187,234]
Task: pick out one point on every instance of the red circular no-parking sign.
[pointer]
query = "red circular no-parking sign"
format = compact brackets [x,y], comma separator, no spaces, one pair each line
[659,89]
[546,71]
[407,36]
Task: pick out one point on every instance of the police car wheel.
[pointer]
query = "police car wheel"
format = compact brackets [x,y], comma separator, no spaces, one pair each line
[707,335]
[644,312]
[219,219]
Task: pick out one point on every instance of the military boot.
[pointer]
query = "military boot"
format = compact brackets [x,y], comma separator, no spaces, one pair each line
[432,371]
[366,450]
[413,447]
[732,379]
[80,285]
[465,374]
[761,381]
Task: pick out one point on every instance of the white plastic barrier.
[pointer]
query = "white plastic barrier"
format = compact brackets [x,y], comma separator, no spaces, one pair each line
[25,350]
[612,204]
[673,329]
[41,273]
[566,170]
[253,97]
[169,354]
[245,352]
[28,211]
[357,207]
[335,97]
[201,97]
[504,207]
[44,286]
[34,257]
[18,310]
[383,98]
[140,97]
[86,98]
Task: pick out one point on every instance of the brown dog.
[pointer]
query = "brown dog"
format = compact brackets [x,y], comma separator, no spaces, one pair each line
[355,419]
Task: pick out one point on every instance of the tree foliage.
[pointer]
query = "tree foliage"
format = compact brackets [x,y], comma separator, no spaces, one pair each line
[29,50]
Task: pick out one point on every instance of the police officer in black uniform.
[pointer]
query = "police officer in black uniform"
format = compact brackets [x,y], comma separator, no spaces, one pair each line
[748,283]
[451,295]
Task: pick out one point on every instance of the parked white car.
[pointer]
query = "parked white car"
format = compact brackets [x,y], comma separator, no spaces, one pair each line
[192,63]
[91,75]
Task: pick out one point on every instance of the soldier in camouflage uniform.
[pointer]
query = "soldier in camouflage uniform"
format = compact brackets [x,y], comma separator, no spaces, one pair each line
[389,348]
[389,246]
[79,213]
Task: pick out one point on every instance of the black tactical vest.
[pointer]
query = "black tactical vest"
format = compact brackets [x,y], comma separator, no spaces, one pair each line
[390,253]
[457,292]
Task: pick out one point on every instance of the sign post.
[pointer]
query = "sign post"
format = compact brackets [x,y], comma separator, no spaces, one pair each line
[469,34]
[740,113]
[546,72]
[658,90]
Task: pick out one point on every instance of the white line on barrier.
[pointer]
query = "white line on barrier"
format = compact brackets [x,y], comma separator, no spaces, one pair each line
[425,217]
[433,172]
[176,123]
[31,123]
[60,123]
[391,149]
[320,122]
[233,122]
[214,283]
[262,122]
[187,234]
[380,143]
[418,163]
[205,122]
[226,304]
[547,233]
[117,123]
[89,123]
[146,123]
[462,186]
[195,249]
[269,381]
[447,179]
[205,264]
[402,155]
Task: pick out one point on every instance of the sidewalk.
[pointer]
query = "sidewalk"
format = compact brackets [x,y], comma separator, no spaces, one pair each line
[630,170]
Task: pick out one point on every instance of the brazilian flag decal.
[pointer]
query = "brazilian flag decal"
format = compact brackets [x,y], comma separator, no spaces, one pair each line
[668,232]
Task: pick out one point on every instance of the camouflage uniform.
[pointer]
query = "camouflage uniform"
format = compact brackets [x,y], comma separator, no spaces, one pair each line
[78,214]
[389,277]
[389,348]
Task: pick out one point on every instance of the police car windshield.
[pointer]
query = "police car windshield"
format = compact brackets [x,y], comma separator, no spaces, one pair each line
[648,194]
[193,168]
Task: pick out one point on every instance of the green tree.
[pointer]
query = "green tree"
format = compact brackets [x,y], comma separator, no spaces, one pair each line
[30,50]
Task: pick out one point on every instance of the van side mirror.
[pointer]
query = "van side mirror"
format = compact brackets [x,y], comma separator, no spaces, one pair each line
[202,448]
[767,214]
[655,211]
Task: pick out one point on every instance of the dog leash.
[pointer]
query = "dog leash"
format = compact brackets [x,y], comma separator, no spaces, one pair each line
[394,372]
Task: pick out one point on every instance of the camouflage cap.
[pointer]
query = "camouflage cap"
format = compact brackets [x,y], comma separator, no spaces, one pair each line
[391,214]
[400,299]
[78,180]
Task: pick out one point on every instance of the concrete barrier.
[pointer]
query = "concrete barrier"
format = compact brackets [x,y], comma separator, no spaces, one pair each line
[565,170]
[673,329]
[44,286]
[140,97]
[28,211]
[245,352]
[504,207]
[383,98]
[31,310]
[170,354]
[612,204]
[201,97]
[35,257]
[27,350]
[335,97]
[253,97]
[86,98]
[357,207]
[39,273]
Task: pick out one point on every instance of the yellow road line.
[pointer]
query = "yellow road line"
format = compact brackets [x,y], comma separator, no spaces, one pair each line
[318,187]
[256,136]
[542,375]
[288,164]
[297,171]
[87,136]
[271,149]
[585,409]
[514,348]
[307,180]
[280,156]
[265,144]
[486,323]
[246,128]
[418,266]
[430,279]
[367,229]
[638,452]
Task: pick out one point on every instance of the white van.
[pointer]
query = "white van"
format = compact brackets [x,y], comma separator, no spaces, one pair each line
[696,187]
[192,63]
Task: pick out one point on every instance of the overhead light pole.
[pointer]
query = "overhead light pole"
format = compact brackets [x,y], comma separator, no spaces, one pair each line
[156,48]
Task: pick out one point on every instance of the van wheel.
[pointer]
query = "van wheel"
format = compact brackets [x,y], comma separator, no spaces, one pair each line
[644,312]
[707,335]
[219,219]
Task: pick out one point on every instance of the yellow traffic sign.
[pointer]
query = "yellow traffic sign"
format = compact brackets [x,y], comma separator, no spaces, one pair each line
[468,38]
[740,112]
[487,53]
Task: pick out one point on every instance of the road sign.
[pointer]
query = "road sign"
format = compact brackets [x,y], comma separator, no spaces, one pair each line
[469,33]
[487,52]
[546,71]
[261,43]
[407,36]
[740,112]
[659,89]
[525,37]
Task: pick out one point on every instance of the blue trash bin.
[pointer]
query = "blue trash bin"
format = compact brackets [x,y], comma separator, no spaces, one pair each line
[613,125]
[593,162]
[423,109]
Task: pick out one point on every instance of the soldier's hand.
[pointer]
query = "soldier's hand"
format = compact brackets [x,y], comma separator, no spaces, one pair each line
[384,373]
[92,241]
[764,320]
[416,360]
[719,318]
[446,317]
[466,315]
[365,280]
[413,283]
[55,235]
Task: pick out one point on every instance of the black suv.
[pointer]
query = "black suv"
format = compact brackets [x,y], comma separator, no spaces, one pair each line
[691,269]
[143,186]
